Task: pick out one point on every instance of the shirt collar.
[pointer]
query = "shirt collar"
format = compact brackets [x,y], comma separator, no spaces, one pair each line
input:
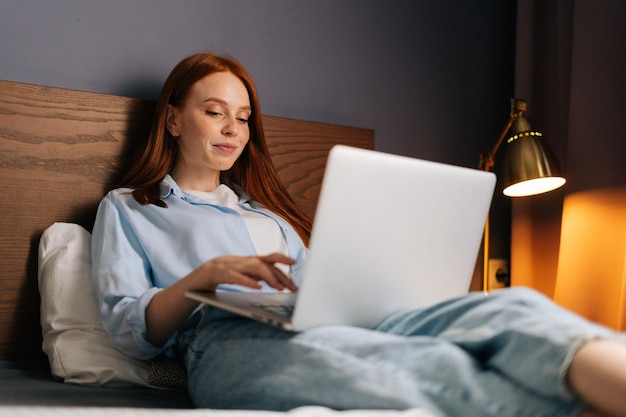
[170,187]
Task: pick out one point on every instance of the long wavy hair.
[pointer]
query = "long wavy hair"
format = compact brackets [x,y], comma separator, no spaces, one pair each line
[253,172]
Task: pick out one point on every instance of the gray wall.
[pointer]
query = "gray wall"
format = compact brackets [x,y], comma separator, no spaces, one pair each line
[432,77]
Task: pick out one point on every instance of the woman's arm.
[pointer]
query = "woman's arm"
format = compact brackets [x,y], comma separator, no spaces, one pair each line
[169,308]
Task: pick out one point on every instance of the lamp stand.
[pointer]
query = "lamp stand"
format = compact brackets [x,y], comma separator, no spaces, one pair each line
[486,256]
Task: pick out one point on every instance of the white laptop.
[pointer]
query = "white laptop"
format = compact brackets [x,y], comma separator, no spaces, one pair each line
[390,233]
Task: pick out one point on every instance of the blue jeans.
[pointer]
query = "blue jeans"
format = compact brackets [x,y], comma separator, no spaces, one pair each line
[502,354]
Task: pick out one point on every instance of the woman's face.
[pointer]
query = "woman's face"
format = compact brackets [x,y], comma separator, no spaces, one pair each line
[211,127]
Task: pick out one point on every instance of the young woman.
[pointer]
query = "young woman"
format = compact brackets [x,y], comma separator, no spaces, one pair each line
[203,208]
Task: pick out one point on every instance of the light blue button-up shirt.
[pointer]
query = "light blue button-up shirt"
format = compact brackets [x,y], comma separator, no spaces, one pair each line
[139,249]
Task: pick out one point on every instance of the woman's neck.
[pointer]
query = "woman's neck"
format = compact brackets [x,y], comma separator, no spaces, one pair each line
[193,180]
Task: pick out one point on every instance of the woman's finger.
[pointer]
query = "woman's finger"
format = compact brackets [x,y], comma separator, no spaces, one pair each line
[263,268]
[284,280]
[277,258]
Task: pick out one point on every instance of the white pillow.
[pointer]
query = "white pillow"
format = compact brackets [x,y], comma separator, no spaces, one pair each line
[78,349]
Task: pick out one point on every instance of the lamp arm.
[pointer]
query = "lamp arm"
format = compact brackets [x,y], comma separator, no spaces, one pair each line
[486,160]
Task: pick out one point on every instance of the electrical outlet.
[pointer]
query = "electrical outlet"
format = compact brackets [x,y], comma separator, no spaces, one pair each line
[498,273]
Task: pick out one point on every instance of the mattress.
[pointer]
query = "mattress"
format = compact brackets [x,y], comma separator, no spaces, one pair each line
[28,390]
[32,384]
[310,411]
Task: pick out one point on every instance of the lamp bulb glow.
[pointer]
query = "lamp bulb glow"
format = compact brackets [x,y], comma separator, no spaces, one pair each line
[534,186]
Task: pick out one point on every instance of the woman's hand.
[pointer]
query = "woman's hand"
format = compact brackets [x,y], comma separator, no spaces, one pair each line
[169,308]
[247,271]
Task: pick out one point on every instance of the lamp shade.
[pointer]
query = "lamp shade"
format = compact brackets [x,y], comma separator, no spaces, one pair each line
[529,167]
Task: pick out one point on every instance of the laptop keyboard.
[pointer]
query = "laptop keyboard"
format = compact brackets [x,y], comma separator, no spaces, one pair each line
[282,310]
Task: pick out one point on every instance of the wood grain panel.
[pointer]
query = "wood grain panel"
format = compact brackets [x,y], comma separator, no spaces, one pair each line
[60,150]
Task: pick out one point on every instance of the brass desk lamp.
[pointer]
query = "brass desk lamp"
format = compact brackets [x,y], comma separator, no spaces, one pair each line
[529,168]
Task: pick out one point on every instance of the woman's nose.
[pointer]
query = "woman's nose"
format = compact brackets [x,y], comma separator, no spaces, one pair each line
[231,128]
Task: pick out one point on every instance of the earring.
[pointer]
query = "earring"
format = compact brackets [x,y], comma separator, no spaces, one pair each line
[176,133]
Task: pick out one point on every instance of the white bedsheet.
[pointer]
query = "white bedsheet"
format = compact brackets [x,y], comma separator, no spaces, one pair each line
[25,411]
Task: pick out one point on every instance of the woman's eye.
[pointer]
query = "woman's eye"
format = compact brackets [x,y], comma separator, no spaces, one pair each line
[242,120]
[214,112]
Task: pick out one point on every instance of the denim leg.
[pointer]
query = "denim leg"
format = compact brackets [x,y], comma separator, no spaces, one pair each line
[517,332]
[413,360]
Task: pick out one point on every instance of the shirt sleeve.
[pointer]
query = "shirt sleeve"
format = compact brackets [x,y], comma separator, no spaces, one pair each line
[122,279]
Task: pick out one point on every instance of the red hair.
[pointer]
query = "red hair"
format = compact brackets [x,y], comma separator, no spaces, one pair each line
[253,172]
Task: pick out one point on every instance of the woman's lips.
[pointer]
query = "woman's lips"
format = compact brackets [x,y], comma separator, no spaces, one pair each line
[226,148]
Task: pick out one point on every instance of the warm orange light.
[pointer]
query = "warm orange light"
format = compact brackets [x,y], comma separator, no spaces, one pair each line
[591,278]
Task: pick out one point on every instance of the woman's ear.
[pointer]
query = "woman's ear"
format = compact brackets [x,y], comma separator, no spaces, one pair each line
[171,121]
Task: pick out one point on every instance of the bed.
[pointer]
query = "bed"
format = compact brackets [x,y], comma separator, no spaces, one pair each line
[60,151]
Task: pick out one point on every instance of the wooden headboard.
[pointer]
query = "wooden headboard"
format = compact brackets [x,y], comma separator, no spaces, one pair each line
[61,150]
